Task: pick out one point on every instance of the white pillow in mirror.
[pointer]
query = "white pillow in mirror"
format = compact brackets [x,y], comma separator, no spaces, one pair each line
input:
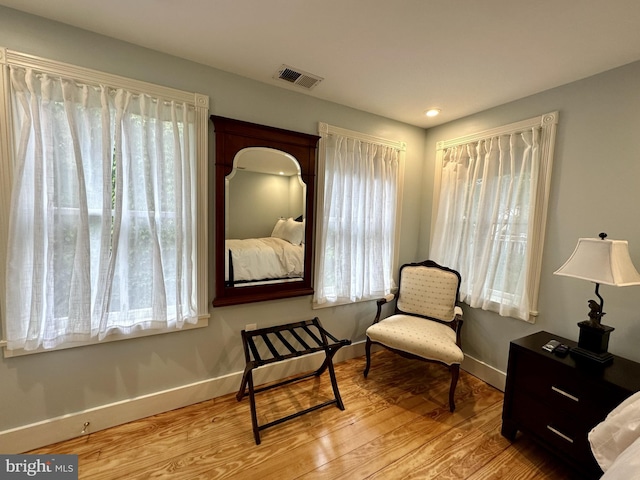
[278,228]
[289,230]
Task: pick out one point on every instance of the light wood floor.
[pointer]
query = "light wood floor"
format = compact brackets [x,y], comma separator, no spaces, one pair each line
[396,425]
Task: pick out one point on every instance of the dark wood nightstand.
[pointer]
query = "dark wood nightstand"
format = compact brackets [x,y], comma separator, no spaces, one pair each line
[557,401]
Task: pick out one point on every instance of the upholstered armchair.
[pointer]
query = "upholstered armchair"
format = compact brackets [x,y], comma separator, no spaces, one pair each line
[426,322]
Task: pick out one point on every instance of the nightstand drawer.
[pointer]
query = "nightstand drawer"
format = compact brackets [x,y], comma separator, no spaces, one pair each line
[562,387]
[561,432]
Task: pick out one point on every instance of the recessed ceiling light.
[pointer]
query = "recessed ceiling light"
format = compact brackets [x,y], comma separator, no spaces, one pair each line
[432,112]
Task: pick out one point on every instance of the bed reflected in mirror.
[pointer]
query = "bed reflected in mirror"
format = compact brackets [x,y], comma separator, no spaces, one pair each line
[265,224]
[264,198]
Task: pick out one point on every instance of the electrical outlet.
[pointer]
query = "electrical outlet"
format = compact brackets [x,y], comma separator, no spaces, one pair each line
[250,326]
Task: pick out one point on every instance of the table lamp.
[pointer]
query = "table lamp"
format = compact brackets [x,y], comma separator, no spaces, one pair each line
[605,262]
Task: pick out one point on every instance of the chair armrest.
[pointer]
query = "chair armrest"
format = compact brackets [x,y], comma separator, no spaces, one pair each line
[380,303]
[457,324]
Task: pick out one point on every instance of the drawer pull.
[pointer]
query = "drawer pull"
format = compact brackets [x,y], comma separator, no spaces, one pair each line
[565,394]
[560,434]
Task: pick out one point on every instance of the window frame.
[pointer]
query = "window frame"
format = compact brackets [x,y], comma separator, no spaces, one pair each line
[198,101]
[547,123]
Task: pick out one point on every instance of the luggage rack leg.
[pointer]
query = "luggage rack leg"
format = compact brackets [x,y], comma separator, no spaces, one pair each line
[254,415]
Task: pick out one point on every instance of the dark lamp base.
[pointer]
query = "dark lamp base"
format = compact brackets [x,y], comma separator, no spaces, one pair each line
[597,358]
[593,343]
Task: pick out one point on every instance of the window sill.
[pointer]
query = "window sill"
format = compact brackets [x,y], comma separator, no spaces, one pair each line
[203,321]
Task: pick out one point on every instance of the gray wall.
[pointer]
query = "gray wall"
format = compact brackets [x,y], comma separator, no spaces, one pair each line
[595,188]
[258,200]
[37,387]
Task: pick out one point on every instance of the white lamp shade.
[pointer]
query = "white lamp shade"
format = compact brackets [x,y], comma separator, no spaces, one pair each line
[601,261]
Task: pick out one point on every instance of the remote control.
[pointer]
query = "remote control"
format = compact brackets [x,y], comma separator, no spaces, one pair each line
[551,346]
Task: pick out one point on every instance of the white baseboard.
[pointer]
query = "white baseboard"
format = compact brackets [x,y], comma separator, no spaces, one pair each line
[36,435]
[484,372]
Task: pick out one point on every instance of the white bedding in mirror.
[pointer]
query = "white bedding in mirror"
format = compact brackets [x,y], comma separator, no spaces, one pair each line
[263,258]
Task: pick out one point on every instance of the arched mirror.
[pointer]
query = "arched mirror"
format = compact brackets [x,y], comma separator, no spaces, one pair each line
[264,192]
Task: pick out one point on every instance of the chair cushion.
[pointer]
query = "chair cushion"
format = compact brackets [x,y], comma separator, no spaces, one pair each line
[418,336]
[428,291]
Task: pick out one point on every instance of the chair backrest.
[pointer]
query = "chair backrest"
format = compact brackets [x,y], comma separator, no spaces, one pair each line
[429,290]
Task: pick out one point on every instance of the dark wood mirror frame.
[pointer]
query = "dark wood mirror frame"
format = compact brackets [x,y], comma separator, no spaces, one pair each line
[231,136]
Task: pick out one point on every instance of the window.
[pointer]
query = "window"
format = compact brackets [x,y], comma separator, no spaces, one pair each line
[490,209]
[360,180]
[102,222]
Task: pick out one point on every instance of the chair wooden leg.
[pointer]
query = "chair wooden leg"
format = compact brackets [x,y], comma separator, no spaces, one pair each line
[368,352]
[455,373]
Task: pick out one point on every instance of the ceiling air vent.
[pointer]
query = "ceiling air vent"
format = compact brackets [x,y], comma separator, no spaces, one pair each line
[297,77]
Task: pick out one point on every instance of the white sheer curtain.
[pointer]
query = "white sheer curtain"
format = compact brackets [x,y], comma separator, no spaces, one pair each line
[356,249]
[102,230]
[485,219]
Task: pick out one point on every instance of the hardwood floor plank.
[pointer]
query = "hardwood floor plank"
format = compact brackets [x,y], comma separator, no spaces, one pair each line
[396,424]
[524,460]
[236,427]
[387,448]
[479,453]
[438,453]
[293,441]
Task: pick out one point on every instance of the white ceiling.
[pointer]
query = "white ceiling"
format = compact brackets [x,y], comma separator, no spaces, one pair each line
[392,58]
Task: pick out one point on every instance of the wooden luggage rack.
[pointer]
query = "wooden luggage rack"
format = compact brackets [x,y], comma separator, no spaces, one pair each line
[296,340]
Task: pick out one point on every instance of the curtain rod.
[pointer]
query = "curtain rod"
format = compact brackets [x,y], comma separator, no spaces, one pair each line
[540,121]
[326,129]
[44,65]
